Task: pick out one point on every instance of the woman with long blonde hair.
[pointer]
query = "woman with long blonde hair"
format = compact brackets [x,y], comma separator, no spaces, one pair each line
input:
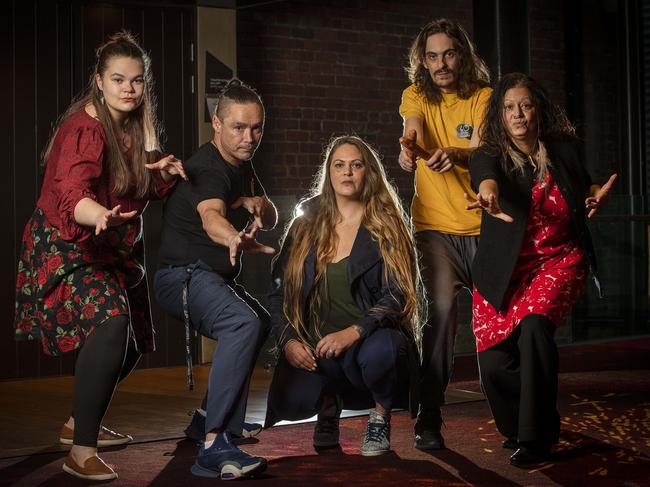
[346,301]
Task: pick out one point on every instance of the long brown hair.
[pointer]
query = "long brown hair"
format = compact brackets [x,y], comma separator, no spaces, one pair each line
[129,175]
[552,122]
[473,73]
[384,218]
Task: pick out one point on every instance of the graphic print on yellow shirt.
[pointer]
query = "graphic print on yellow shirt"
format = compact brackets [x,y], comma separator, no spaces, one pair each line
[439,203]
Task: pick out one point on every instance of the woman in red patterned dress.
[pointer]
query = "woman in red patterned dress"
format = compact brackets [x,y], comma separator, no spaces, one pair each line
[80,282]
[533,258]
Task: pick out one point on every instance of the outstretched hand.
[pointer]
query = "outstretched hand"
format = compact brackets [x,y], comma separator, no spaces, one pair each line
[112,218]
[254,205]
[168,166]
[410,151]
[489,203]
[245,241]
[592,203]
[439,160]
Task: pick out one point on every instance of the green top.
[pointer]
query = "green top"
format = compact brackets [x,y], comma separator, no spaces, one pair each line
[338,310]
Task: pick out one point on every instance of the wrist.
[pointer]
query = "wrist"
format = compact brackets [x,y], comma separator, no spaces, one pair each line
[166,176]
[230,238]
[361,331]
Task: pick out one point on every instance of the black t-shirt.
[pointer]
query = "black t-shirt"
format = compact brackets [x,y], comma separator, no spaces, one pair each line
[184,241]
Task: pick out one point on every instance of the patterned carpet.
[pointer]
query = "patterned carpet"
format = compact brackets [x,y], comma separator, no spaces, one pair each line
[605,441]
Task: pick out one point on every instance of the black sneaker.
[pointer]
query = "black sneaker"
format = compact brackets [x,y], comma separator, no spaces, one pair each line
[326,432]
[427,431]
[530,453]
[429,440]
[224,460]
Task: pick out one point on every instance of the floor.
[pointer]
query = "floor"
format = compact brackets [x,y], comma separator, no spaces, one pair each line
[150,405]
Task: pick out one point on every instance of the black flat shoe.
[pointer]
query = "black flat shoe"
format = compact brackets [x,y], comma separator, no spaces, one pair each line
[429,440]
[510,444]
[526,456]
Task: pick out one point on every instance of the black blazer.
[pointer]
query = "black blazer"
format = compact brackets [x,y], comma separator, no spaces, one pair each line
[500,243]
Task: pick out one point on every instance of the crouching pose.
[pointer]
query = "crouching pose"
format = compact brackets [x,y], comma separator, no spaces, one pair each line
[532,260]
[344,302]
[207,227]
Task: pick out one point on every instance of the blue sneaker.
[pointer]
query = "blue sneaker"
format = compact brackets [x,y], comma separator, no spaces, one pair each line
[195,431]
[224,460]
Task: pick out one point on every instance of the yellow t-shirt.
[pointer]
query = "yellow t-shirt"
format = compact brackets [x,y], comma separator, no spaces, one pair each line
[439,203]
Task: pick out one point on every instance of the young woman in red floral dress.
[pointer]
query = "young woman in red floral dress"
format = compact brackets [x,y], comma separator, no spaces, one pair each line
[80,282]
[533,258]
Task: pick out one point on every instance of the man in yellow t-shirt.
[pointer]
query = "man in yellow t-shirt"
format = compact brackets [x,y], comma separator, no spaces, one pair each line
[445,106]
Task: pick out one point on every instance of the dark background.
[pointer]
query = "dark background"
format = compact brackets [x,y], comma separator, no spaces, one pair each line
[327,68]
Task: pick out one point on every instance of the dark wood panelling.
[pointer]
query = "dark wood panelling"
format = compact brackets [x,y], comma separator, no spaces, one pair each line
[46,111]
[8,243]
[25,155]
[51,49]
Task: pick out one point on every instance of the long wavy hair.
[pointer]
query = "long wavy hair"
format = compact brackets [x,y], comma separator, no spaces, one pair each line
[129,175]
[552,122]
[472,73]
[313,229]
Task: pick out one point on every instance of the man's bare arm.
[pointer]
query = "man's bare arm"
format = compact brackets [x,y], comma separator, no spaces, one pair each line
[215,224]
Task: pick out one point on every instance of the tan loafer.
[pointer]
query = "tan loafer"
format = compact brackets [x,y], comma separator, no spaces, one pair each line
[106,437]
[94,468]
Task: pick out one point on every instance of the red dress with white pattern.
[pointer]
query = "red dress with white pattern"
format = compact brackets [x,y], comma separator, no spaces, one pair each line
[549,276]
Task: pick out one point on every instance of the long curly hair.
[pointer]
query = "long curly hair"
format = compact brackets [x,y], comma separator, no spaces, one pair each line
[142,126]
[313,228]
[552,122]
[473,72]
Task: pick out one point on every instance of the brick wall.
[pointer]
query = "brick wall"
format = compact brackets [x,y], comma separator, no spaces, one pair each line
[599,119]
[328,68]
[547,54]
[604,94]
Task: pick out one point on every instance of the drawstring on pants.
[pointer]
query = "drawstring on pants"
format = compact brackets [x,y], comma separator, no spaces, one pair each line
[186,320]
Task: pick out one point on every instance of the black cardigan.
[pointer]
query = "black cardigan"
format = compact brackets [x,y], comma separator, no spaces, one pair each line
[500,242]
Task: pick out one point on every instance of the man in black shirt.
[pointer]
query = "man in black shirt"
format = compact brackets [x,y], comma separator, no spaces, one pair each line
[208,222]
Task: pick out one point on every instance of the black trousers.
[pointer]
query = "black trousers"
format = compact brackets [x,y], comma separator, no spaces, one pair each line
[519,379]
[446,262]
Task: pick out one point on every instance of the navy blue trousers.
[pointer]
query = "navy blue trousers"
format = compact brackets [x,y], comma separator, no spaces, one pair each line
[223,311]
[372,370]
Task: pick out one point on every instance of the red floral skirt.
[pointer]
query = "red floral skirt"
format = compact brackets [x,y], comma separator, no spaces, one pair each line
[65,289]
